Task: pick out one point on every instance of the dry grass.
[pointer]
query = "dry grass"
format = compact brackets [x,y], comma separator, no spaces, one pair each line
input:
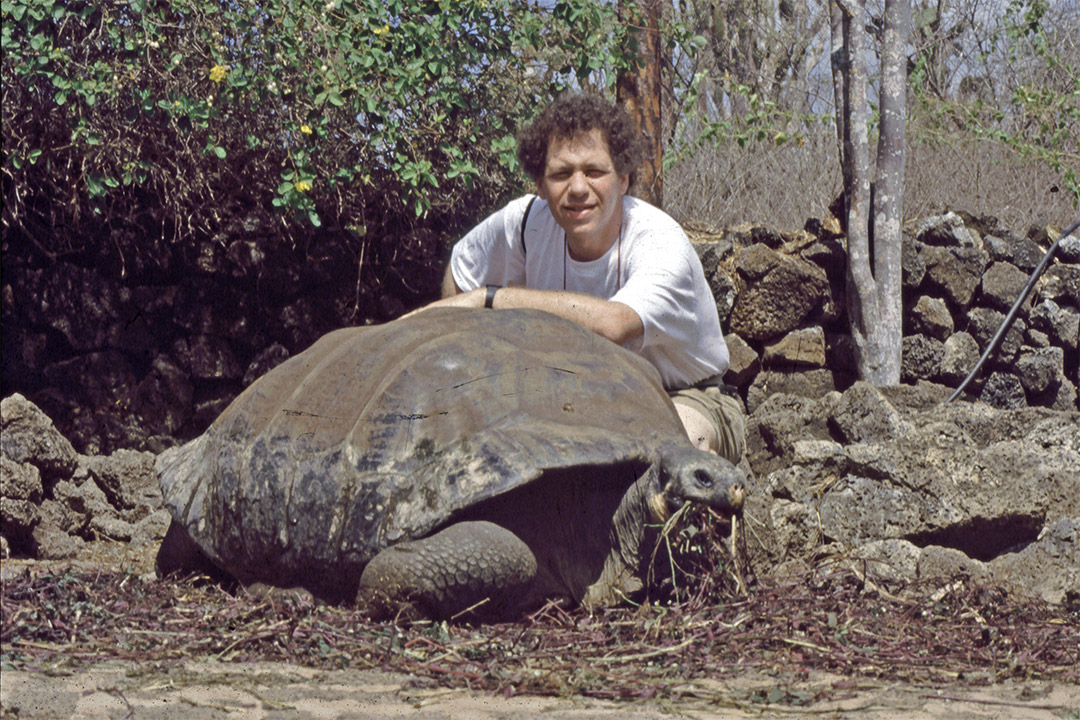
[984,177]
[777,186]
[836,622]
[782,186]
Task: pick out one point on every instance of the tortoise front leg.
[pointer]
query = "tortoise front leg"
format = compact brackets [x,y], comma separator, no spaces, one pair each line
[469,565]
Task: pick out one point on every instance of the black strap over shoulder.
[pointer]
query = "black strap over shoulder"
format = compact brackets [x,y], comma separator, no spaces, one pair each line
[524,221]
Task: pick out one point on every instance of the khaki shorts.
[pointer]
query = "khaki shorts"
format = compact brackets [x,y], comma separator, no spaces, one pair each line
[725,413]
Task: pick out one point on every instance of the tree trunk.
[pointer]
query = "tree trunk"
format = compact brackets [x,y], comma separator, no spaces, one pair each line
[873,232]
[639,91]
[888,197]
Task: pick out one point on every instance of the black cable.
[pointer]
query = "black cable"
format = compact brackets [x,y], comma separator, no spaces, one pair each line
[1014,311]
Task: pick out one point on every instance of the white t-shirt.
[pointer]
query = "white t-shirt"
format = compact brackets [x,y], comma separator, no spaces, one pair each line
[652,268]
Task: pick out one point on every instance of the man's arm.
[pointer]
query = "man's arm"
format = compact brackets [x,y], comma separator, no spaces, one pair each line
[613,320]
[449,285]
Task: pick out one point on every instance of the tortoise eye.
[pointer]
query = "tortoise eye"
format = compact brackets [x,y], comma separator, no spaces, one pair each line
[703,478]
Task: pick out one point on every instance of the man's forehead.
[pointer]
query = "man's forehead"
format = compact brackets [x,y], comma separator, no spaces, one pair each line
[584,139]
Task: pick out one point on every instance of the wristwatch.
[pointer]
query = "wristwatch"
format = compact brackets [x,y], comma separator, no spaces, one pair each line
[489,299]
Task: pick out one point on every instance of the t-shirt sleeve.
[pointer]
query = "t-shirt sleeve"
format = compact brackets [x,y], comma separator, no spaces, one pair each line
[666,287]
[491,253]
[660,288]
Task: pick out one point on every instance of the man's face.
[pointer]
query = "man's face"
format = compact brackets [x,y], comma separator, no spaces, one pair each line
[584,192]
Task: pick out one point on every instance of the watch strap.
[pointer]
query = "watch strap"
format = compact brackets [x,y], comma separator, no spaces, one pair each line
[489,299]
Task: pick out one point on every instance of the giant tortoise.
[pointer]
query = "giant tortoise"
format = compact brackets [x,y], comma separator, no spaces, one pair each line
[449,459]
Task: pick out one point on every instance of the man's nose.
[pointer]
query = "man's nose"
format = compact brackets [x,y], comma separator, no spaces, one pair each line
[578,186]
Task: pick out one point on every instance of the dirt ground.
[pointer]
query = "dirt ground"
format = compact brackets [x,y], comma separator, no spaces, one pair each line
[204,689]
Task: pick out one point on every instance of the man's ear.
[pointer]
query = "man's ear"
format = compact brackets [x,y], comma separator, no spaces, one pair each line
[540,192]
[624,183]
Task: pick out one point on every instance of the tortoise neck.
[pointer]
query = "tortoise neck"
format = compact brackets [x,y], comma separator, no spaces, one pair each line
[625,568]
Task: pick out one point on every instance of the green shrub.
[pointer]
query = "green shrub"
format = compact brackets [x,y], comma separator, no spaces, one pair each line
[178,118]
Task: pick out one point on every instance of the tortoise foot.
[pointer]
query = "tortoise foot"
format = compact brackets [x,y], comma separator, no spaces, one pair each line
[469,570]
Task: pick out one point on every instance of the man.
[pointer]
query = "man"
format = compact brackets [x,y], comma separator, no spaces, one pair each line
[584,250]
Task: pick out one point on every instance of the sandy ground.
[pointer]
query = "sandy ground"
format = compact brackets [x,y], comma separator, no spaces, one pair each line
[208,690]
[204,690]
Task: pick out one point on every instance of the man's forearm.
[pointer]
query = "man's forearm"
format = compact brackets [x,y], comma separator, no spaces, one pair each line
[613,320]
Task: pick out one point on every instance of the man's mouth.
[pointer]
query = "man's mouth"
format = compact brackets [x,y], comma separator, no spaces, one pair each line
[579,211]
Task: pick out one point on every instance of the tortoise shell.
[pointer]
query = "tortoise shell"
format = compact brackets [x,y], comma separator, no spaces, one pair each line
[380,434]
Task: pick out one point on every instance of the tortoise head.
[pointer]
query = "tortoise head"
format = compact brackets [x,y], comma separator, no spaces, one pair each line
[691,475]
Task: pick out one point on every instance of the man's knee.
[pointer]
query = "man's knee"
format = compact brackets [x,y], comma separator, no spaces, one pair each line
[722,413]
[698,428]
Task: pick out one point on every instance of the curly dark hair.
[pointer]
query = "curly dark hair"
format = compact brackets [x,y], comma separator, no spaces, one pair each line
[572,114]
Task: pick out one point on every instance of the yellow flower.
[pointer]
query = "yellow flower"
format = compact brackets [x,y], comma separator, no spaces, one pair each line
[306,129]
[302,186]
[383,30]
[218,73]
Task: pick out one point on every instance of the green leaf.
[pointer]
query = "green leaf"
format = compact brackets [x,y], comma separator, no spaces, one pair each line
[94,186]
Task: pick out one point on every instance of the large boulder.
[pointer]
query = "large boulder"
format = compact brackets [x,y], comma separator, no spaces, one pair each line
[20,500]
[53,500]
[27,435]
[867,466]
[1002,284]
[777,293]
[954,272]
[948,230]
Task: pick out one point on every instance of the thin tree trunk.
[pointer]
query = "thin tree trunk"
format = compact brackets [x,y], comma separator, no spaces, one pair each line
[873,233]
[889,188]
[639,91]
[861,295]
[839,63]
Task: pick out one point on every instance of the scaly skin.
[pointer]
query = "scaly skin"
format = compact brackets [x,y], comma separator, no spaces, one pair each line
[450,572]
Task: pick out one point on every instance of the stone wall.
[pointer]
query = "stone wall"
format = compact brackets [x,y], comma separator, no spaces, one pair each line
[886,480]
[144,351]
[781,296]
[53,500]
[141,351]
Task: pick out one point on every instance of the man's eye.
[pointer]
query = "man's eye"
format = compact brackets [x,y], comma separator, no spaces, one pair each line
[596,173]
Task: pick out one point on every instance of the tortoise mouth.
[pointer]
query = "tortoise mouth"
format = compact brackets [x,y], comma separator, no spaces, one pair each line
[663,505]
[737,496]
[658,508]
